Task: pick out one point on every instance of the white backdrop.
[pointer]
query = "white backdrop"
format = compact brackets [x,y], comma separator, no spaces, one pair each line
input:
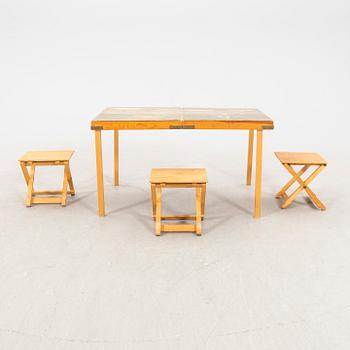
[70,279]
[63,61]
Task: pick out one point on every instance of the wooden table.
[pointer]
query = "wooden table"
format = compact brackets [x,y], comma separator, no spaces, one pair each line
[120,118]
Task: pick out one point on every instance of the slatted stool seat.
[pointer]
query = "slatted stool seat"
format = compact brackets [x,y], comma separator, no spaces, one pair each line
[178,178]
[306,160]
[47,158]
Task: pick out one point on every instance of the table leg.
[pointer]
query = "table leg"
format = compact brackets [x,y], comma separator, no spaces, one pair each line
[116,157]
[250,157]
[258,171]
[99,173]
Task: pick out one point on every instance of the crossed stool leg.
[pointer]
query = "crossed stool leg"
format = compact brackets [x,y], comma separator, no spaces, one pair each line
[288,159]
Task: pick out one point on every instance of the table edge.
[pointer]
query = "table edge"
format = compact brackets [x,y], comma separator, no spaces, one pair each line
[180,124]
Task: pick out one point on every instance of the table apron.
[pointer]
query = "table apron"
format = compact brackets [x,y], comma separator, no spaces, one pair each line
[159,125]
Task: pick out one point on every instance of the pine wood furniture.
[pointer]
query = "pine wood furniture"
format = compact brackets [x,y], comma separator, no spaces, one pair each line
[151,118]
[306,160]
[178,178]
[33,159]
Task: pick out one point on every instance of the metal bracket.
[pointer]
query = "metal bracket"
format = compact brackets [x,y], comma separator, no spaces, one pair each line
[182,127]
[96,127]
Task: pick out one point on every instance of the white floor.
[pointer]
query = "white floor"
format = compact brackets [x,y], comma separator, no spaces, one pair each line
[72,280]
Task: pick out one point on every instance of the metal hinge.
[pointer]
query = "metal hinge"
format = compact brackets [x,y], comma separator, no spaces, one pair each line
[96,128]
[182,127]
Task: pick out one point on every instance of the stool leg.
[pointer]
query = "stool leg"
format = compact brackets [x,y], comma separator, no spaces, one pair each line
[65,185]
[291,181]
[153,192]
[303,184]
[30,186]
[70,181]
[204,188]
[25,172]
[314,198]
[198,210]
[158,209]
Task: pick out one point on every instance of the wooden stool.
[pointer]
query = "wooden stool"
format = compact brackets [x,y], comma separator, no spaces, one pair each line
[49,158]
[178,178]
[288,159]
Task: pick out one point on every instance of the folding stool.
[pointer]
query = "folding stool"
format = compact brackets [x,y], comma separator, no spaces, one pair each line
[178,178]
[306,160]
[47,158]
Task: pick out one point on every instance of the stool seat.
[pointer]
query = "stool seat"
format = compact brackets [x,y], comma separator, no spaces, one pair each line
[46,156]
[162,178]
[179,175]
[300,158]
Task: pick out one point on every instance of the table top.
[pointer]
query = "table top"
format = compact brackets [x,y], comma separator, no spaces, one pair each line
[141,118]
[180,114]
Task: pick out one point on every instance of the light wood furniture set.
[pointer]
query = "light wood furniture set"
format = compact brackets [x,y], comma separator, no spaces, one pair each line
[34,159]
[115,119]
[178,178]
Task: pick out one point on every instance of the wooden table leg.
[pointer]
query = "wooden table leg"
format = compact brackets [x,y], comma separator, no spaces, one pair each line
[116,157]
[258,171]
[250,157]
[99,173]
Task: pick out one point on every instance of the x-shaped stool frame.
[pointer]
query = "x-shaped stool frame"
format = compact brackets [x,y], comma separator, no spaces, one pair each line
[304,184]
